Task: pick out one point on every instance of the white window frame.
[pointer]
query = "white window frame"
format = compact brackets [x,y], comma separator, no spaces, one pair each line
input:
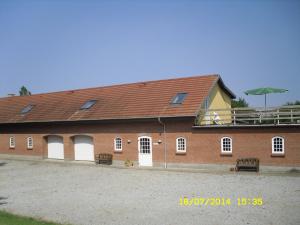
[115,144]
[222,145]
[29,142]
[177,145]
[273,146]
[12,142]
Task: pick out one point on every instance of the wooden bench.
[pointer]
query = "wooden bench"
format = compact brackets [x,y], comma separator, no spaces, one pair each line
[249,164]
[103,158]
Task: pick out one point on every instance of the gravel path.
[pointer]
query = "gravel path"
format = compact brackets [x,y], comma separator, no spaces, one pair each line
[90,195]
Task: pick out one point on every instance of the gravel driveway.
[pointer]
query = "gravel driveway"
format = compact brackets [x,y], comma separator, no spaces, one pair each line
[91,195]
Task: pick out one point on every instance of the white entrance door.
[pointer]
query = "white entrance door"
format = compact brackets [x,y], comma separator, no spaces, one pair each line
[145,151]
[84,148]
[55,147]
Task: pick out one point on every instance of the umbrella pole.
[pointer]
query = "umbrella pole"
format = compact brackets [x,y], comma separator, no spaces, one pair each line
[265,102]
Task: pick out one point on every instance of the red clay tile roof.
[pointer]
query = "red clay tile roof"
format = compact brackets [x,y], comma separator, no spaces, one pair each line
[137,100]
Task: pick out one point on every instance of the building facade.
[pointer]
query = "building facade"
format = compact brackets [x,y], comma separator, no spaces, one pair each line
[150,123]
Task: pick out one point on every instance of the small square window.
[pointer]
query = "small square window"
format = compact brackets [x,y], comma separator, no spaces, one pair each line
[26,109]
[179,98]
[88,104]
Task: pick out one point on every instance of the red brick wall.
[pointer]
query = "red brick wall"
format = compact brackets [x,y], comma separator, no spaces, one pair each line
[247,142]
[203,145]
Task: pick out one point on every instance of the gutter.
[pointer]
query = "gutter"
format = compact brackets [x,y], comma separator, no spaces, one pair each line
[165,141]
[95,120]
[246,126]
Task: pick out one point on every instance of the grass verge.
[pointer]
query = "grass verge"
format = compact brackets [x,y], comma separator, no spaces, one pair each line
[12,219]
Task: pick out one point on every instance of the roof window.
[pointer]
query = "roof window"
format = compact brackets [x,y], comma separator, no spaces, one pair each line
[88,104]
[26,109]
[178,98]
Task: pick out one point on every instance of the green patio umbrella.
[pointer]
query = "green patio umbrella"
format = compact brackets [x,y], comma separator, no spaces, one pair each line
[265,91]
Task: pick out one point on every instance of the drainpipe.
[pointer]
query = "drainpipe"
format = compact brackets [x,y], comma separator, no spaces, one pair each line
[165,143]
[43,147]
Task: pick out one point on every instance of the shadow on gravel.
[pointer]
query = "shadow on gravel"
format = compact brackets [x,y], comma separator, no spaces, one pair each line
[3,163]
[2,202]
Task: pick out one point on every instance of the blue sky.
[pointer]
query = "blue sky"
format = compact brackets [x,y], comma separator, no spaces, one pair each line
[70,44]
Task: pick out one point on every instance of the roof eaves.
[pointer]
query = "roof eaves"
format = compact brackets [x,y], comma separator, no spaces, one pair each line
[104,119]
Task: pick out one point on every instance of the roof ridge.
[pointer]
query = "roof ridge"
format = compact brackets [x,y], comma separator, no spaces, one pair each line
[113,85]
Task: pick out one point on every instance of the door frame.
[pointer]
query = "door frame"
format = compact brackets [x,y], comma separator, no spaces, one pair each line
[150,154]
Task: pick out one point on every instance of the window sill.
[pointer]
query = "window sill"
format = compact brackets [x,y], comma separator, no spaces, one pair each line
[29,149]
[118,151]
[180,153]
[277,155]
[226,154]
[12,148]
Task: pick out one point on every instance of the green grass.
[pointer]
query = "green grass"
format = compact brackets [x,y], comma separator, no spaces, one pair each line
[12,219]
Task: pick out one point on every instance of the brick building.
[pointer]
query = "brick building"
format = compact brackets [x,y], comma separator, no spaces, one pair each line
[165,122]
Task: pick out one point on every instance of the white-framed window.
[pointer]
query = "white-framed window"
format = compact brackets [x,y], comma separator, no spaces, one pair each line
[180,144]
[277,145]
[29,143]
[226,145]
[145,145]
[12,142]
[118,144]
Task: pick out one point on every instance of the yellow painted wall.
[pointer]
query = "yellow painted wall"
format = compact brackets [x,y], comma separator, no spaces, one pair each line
[218,99]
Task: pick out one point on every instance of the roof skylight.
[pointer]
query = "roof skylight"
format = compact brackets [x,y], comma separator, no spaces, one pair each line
[178,98]
[26,109]
[88,104]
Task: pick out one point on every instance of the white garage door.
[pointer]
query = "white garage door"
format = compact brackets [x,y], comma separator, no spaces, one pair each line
[84,148]
[55,147]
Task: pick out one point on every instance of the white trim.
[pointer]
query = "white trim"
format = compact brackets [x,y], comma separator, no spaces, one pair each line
[222,145]
[12,142]
[177,145]
[29,143]
[273,147]
[115,144]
